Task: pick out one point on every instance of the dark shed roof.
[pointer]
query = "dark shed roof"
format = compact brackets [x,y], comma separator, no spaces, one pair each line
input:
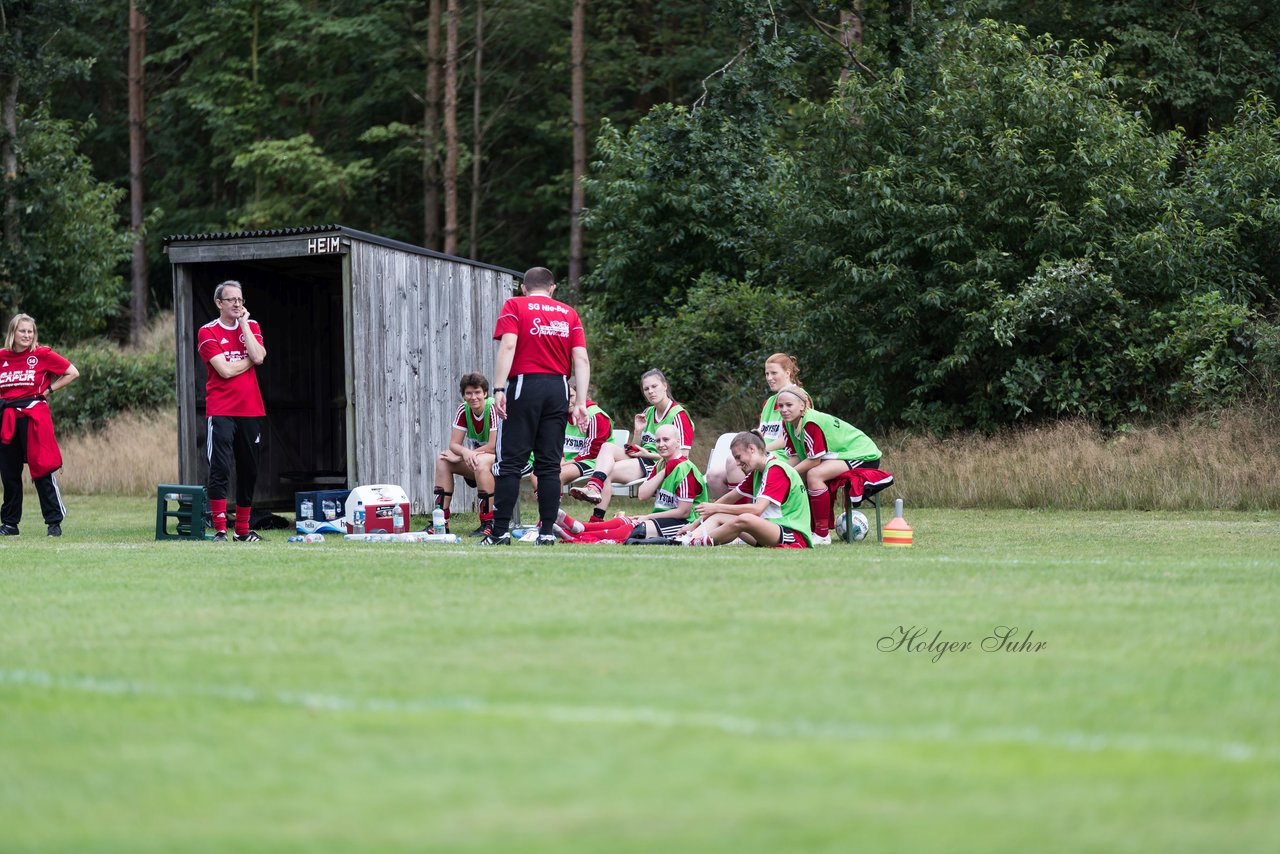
[329,229]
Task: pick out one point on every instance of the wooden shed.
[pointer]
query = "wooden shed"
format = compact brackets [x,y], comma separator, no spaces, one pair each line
[366,338]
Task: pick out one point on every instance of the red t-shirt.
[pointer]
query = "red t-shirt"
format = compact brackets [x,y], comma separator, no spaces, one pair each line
[239,395]
[815,442]
[29,373]
[776,486]
[546,332]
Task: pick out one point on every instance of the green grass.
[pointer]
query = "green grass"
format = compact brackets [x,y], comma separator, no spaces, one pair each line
[185,696]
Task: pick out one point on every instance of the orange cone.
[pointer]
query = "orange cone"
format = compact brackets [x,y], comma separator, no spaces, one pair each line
[896,531]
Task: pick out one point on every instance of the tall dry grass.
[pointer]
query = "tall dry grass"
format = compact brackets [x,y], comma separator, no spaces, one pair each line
[129,456]
[1229,462]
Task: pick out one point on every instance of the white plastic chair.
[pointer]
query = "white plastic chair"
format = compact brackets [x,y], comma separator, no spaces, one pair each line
[720,453]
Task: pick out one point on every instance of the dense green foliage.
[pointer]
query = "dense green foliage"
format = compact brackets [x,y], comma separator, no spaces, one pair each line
[980,223]
[984,233]
[112,381]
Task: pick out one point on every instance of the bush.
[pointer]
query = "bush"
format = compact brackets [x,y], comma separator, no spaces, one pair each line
[112,381]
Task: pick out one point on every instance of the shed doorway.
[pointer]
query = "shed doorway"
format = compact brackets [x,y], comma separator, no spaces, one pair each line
[298,302]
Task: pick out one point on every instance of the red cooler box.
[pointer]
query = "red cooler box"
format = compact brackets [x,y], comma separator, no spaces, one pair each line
[380,503]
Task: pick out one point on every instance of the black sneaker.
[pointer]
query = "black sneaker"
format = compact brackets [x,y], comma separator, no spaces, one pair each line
[220,537]
[55,530]
[545,540]
[8,530]
[483,531]
[491,540]
[251,537]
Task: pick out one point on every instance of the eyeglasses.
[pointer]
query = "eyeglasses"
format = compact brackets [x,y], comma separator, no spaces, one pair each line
[232,300]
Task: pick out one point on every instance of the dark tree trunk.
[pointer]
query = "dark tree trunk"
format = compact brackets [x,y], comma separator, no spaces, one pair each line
[579,121]
[137,118]
[431,134]
[451,131]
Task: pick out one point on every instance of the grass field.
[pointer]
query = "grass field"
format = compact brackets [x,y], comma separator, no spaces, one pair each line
[185,696]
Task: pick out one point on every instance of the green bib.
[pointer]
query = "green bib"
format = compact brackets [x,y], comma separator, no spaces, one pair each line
[479,437]
[666,498]
[794,513]
[649,435]
[844,441]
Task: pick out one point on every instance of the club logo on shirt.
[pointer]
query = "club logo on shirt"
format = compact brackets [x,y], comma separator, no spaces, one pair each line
[32,361]
[556,328]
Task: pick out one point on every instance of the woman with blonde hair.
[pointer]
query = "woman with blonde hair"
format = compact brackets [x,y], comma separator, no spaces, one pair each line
[821,447]
[29,374]
[780,370]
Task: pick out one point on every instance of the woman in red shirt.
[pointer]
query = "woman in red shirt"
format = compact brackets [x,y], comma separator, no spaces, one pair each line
[29,373]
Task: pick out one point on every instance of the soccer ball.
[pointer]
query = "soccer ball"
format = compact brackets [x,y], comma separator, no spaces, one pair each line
[860,526]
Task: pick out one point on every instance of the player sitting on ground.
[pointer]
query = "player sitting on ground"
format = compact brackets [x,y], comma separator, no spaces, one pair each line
[637,459]
[676,487]
[768,508]
[470,454]
[821,447]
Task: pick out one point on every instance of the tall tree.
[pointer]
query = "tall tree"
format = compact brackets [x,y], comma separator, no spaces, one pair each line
[431,133]
[578,111]
[477,134]
[137,117]
[451,129]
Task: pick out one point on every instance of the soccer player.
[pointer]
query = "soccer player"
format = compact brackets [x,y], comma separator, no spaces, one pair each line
[780,370]
[821,447]
[582,447]
[470,454]
[676,487]
[541,342]
[29,374]
[770,510]
[232,348]
[637,459]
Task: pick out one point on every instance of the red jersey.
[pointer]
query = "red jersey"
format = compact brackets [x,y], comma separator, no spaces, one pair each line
[239,395]
[776,486]
[546,332]
[29,373]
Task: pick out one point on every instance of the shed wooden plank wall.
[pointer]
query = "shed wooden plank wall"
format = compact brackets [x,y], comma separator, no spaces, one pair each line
[417,324]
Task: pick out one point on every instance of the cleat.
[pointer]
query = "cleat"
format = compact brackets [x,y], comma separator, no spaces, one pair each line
[491,540]
[545,540]
[8,530]
[55,530]
[251,537]
[590,493]
[820,541]
[484,530]
[220,537]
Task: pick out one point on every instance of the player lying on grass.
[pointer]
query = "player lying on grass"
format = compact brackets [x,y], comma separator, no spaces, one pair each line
[676,487]
[470,454]
[779,370]
[637,459]
[768,508]
[821,447]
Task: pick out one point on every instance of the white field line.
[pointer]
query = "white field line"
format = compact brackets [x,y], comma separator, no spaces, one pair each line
[641,716]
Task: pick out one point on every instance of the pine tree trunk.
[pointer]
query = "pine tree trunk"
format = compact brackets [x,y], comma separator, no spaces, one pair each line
[579,121]
[9,155]
[477,135]
[137,112]
[451,131]
[431,134]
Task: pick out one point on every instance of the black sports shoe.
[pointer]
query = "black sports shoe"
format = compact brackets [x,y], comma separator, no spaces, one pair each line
[55,530]
[251,537]
[8,530]
[649,541]
[491,540]
[483,531]
[220,537]
[545,540]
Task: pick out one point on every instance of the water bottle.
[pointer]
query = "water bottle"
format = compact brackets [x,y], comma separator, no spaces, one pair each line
[437,521]
[307,509]
[357,520]
[306,538]
[330,509]
[397,519]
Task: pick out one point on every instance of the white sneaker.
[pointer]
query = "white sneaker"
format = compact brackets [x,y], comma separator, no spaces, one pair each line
[531,535]
[814,539]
